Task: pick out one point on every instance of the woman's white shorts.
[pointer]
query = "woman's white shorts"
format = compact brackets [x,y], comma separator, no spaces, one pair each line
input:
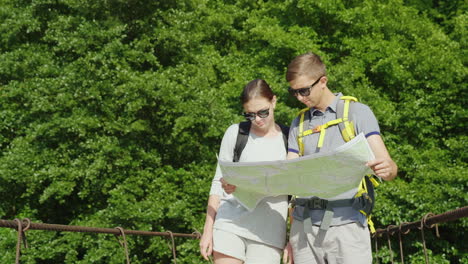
[249,251]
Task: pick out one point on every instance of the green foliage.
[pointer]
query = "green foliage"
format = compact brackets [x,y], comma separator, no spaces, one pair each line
[111,112]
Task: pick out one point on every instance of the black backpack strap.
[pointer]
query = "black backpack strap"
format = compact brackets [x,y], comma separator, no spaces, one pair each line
[243,136]
[241,141]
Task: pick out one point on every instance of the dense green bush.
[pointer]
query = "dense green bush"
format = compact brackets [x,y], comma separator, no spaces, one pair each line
[111,112]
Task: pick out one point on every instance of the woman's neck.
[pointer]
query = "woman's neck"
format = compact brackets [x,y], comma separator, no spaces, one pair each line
[269,131]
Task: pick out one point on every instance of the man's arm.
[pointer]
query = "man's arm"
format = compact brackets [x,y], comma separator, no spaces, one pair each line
[287,252]
[383,165]
[292,155]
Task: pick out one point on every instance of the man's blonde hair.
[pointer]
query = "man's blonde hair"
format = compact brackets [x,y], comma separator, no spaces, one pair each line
[308,64]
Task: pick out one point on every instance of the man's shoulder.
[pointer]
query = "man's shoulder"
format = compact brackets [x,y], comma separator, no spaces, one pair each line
[295,121]
[363,114]
[358,108]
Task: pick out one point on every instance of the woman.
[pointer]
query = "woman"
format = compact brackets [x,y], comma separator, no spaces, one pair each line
[231,233]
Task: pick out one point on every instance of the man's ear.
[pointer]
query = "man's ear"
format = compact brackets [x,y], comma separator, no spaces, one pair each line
[324,80]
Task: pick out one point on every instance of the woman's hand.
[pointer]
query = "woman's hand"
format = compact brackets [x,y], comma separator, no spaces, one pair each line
[206,244]
[228,188]
[288,254]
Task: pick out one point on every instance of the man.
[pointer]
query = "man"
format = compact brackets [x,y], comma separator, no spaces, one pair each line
[343,237]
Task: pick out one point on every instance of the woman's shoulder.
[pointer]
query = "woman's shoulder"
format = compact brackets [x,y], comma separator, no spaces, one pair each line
[233,129]
[231,132]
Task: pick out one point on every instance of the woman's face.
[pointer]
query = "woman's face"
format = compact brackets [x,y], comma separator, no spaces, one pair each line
[260,111]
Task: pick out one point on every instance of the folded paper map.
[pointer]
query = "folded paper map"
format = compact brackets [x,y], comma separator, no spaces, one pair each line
[331,175]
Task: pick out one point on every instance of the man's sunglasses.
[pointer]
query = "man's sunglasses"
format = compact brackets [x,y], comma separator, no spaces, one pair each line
[262,114]
[303,91]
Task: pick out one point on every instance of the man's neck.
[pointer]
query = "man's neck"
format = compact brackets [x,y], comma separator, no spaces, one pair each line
[327,98]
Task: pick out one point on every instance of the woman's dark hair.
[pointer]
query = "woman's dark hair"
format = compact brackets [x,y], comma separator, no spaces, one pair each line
[256,88]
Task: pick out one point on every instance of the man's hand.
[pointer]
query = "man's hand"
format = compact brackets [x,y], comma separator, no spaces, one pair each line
[228,188]
[206,245]
[383,165]
[288,255]
[384,168]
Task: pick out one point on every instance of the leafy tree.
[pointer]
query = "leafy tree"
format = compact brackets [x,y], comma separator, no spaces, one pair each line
[111,112]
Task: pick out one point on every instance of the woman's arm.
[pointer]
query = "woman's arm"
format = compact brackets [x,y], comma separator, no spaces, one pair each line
[206,241]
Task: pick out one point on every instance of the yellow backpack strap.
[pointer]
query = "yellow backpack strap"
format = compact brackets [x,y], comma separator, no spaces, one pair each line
[366,192]
[362,188]
[373,180]
[301,134]
[371,224]
[323,128]
[300,142]
[346,126]
[342,112]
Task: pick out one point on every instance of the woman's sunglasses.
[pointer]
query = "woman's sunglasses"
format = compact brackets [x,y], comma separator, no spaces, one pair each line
[252,115]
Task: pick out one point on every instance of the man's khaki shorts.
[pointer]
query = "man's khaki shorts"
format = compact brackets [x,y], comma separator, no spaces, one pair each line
[343,244]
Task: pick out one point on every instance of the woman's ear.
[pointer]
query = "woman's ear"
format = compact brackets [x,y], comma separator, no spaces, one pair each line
[273,101]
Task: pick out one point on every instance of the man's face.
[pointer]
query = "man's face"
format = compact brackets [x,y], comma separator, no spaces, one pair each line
[308,90]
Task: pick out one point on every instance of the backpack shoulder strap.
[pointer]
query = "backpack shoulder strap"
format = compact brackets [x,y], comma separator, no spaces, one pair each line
[342,112]
[243,136]
[241,141]
[304,116]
